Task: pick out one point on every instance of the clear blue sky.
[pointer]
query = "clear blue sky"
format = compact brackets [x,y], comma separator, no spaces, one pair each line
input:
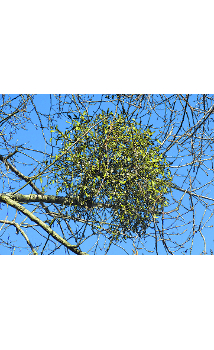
[114,302]
[35,140]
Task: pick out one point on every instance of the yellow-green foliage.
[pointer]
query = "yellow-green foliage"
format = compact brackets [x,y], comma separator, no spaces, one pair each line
[116,163]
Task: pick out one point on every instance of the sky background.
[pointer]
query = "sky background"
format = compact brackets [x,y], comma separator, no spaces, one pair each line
[33,139]
[106,302]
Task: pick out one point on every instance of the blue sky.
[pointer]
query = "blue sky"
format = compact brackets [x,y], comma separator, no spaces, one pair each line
[35,140]
[118,302]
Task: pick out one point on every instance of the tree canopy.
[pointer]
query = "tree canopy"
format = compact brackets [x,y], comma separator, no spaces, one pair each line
[102,174]
[111,163]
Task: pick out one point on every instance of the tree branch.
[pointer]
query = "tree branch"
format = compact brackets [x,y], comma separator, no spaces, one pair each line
[7,199]
[28,198]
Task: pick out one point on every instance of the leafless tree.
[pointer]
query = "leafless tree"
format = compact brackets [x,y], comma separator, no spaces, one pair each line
[35,220]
